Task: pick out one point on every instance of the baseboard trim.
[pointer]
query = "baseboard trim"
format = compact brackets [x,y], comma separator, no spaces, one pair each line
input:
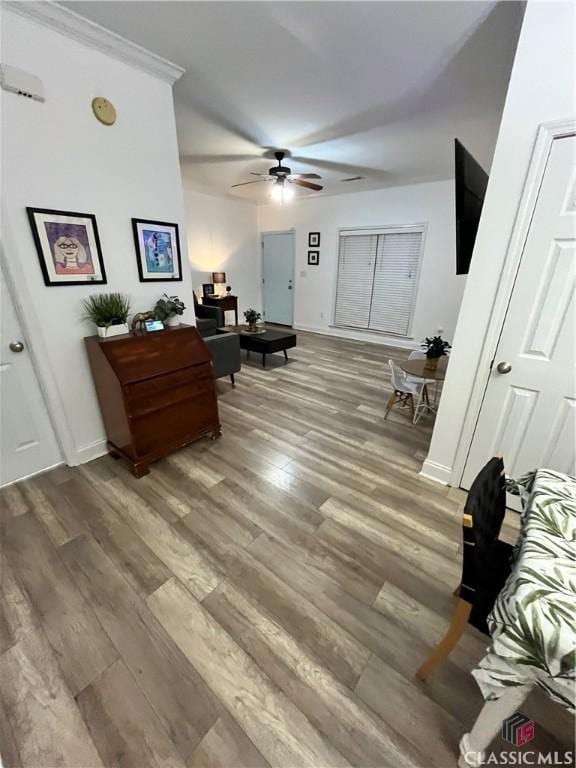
[32,474]
[90,452]
[439,473]
[382,341]
[83,455]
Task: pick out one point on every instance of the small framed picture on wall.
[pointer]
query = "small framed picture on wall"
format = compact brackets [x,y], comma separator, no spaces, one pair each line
[157,250]
[314,239]
[68,246]
[207,289]
[313,258]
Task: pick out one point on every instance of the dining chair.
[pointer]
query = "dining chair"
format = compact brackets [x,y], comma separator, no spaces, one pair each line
[405,388]
[486,560]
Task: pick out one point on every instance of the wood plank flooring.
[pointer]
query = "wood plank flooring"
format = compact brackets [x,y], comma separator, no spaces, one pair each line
[259,601]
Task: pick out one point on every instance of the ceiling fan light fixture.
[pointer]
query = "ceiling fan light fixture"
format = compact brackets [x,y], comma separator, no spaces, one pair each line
[282,193]
[283,178]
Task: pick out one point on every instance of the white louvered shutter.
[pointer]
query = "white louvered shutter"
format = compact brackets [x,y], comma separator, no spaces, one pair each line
[395,278]
[356,263]
[377,279]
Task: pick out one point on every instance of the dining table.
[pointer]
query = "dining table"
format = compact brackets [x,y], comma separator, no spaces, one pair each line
[429,370]
[532,624]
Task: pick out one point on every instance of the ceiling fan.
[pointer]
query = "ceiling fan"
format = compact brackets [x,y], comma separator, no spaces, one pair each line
[281,174]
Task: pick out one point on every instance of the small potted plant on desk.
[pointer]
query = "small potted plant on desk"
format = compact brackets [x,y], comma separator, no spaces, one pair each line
[169,309]
[252,317]
[435,347]
[108,312]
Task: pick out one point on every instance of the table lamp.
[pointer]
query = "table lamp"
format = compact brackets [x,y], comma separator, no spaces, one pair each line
[219,279]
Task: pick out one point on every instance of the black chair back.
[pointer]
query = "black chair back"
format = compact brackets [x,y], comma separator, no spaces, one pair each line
[486,560]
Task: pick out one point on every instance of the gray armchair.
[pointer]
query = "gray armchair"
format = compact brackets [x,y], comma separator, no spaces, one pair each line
[208,319]
[225,351]
[224,347]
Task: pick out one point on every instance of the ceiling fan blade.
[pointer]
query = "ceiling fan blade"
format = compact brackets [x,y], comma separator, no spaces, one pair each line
[253,173]
[243,183]
[305,176]
[307,184]
[201,159]
[345,168]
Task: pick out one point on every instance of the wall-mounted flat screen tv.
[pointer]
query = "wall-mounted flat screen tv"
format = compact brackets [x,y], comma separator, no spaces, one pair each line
[471,183]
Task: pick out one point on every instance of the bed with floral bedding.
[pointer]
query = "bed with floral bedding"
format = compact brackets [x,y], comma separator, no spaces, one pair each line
[533,622]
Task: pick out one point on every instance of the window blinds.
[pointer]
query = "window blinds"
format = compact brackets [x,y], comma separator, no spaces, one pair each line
[355,277]
[377,278]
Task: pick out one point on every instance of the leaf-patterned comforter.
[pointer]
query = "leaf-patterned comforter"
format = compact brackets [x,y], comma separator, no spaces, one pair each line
[533,622]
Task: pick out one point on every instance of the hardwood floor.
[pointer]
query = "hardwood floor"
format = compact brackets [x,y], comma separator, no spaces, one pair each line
[263,600]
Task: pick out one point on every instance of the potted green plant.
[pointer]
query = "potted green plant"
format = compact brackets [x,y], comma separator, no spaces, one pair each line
[108,312]
[169,309]
[435,347]
[252,317]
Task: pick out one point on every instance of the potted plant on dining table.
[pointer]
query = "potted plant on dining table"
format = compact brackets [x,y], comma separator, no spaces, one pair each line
[436,347]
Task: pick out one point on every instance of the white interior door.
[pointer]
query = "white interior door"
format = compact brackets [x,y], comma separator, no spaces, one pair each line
[27,441]
[529,409]
[278,277]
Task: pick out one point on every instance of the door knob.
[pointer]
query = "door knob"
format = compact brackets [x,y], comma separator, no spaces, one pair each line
[503,367]
[16,346]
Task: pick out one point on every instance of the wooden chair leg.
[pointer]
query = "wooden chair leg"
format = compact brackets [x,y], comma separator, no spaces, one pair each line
[411,404]
[425,393]
[390,403]
[453,634]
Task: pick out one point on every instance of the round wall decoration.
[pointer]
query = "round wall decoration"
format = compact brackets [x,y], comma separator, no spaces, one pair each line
[104,110]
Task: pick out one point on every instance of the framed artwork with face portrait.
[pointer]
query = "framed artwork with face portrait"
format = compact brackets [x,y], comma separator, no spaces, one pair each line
[68,247]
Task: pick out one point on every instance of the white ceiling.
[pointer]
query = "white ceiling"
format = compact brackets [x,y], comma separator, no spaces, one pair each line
[378,89]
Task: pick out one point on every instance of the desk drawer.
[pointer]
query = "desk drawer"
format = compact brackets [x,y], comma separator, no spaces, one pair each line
[180,422]
[161,391]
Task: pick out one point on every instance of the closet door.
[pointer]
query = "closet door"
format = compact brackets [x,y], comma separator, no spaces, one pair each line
[529,409]
[395,282]
[356,264]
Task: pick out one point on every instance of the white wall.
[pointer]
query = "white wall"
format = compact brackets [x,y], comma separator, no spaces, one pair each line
[541,90]
[56,155]
[223,237]
[440,289]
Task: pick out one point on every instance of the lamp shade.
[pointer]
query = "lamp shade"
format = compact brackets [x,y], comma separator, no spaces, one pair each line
[218,277]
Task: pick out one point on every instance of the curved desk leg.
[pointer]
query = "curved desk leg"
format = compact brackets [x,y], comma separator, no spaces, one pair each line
[441,650]
[488,724]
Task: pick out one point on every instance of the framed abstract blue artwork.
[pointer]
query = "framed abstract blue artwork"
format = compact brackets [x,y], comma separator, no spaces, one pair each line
[157,250]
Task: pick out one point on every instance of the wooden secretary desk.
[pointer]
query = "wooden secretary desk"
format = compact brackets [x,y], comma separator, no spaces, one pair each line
[156,392]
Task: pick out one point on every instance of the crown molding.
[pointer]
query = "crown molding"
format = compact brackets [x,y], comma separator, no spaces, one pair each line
[75,26]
